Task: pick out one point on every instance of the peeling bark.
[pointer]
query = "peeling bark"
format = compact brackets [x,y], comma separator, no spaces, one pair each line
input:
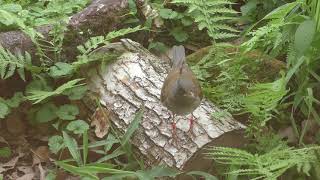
[135,79]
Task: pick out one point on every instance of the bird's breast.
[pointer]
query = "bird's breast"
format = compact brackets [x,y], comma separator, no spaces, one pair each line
[182,105]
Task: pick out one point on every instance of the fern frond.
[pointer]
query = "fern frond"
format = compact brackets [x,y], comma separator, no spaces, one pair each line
[222,18]
[222,11]
[91,44]
[264,98]
[291,55]
[122,32]
[10,63]
[223,27]
[220,2]
[96,41]
[212,15]
[266,166]
[36,96]
[223,35]
[209,3]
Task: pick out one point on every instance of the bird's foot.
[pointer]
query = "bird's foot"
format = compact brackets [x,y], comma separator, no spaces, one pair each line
[174,132]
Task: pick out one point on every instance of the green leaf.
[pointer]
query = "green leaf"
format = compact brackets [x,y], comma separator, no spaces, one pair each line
[56,143]
[132,127]
[11,7]
[73,147]
[75,170]
[114,154]
[119,177]
[78,126]
[132,6]
[203,174]
[67,112]
[248,7]
[7,18]
[304,35]
[60,69]
[294,69]
[158,171]
[38,95]
[85,146]
[179,34]
[69,85]
[38,85]
[10,62]
[187,21]
[46,113]
[4,110]
[51,176]
[76,93]
[167,13]
[159,46]
[282,11]
[5,152]
[109,142]
[15,101]
[102,168]
[122,32]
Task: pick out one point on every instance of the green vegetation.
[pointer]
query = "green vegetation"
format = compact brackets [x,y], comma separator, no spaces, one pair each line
[261,64]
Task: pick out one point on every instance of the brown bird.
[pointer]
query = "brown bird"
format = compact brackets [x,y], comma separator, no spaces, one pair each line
[181,92]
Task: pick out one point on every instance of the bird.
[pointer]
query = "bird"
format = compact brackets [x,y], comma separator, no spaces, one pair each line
[181,92]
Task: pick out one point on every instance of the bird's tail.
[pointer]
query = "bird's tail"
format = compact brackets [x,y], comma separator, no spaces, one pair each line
[178,57]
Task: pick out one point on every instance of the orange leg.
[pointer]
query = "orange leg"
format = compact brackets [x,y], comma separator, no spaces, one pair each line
[174,129]
[173,125]
[191,122]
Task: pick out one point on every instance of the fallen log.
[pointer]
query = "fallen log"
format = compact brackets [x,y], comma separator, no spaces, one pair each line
[135,80]
[98,18]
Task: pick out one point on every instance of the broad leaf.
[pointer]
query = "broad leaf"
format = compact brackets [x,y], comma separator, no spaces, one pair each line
[179,34]
[78,126]
[60,69]
[73,147]
[159,46]
[11,7]
[56,143]
[304,35]
[167,13]
[248,7]
[4,110]
[46,113]
[76,93]
[37,85]
[67,112]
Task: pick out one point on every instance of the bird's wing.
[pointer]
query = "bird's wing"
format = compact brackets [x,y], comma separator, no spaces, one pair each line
[169,87]
[190,82]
